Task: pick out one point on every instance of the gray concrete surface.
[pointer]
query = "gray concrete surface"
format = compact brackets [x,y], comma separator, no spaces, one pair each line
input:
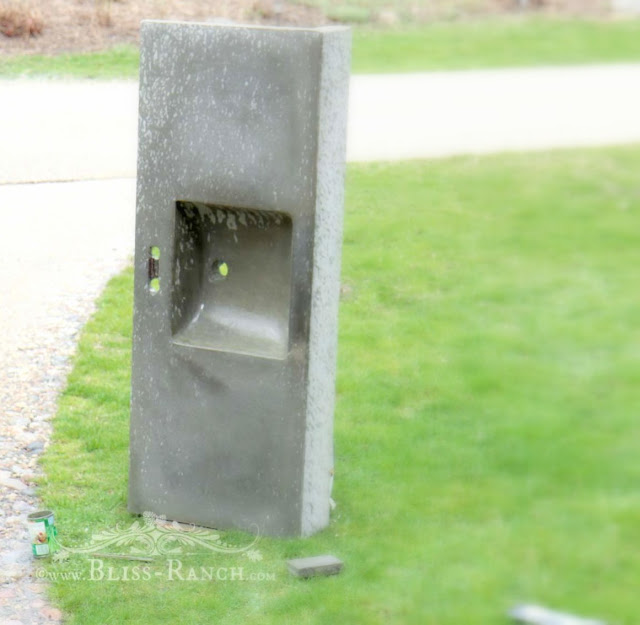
[71,130]
[315,565]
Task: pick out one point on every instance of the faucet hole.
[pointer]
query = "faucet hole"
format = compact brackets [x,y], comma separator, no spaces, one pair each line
[154,269]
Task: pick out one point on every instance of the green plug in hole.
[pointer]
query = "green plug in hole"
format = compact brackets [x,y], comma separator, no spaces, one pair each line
[219,271]
[154,285]
[154,252]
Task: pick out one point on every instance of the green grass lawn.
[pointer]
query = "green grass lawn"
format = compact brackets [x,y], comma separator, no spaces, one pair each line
[118,62]
[487,438]
[495,43]
[451,45]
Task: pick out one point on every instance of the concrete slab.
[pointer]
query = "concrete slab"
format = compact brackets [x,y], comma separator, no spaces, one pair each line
[315,565]
[241,164]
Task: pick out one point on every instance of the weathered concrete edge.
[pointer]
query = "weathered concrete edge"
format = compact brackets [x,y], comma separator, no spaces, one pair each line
[331,158]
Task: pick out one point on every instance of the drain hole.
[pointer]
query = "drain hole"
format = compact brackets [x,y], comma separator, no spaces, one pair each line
[219,270]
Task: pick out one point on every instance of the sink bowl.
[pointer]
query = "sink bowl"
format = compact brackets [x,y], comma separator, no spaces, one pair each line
[231,279]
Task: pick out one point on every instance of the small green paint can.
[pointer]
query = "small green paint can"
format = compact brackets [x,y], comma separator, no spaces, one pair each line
[42,531]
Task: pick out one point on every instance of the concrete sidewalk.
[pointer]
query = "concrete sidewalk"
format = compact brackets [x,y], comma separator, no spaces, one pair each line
[73,130]
[442,114]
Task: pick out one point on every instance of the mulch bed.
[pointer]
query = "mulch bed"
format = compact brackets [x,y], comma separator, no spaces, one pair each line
[57,26]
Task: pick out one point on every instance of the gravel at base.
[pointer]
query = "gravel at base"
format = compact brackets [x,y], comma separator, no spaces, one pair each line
[32,377]
[40,330]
